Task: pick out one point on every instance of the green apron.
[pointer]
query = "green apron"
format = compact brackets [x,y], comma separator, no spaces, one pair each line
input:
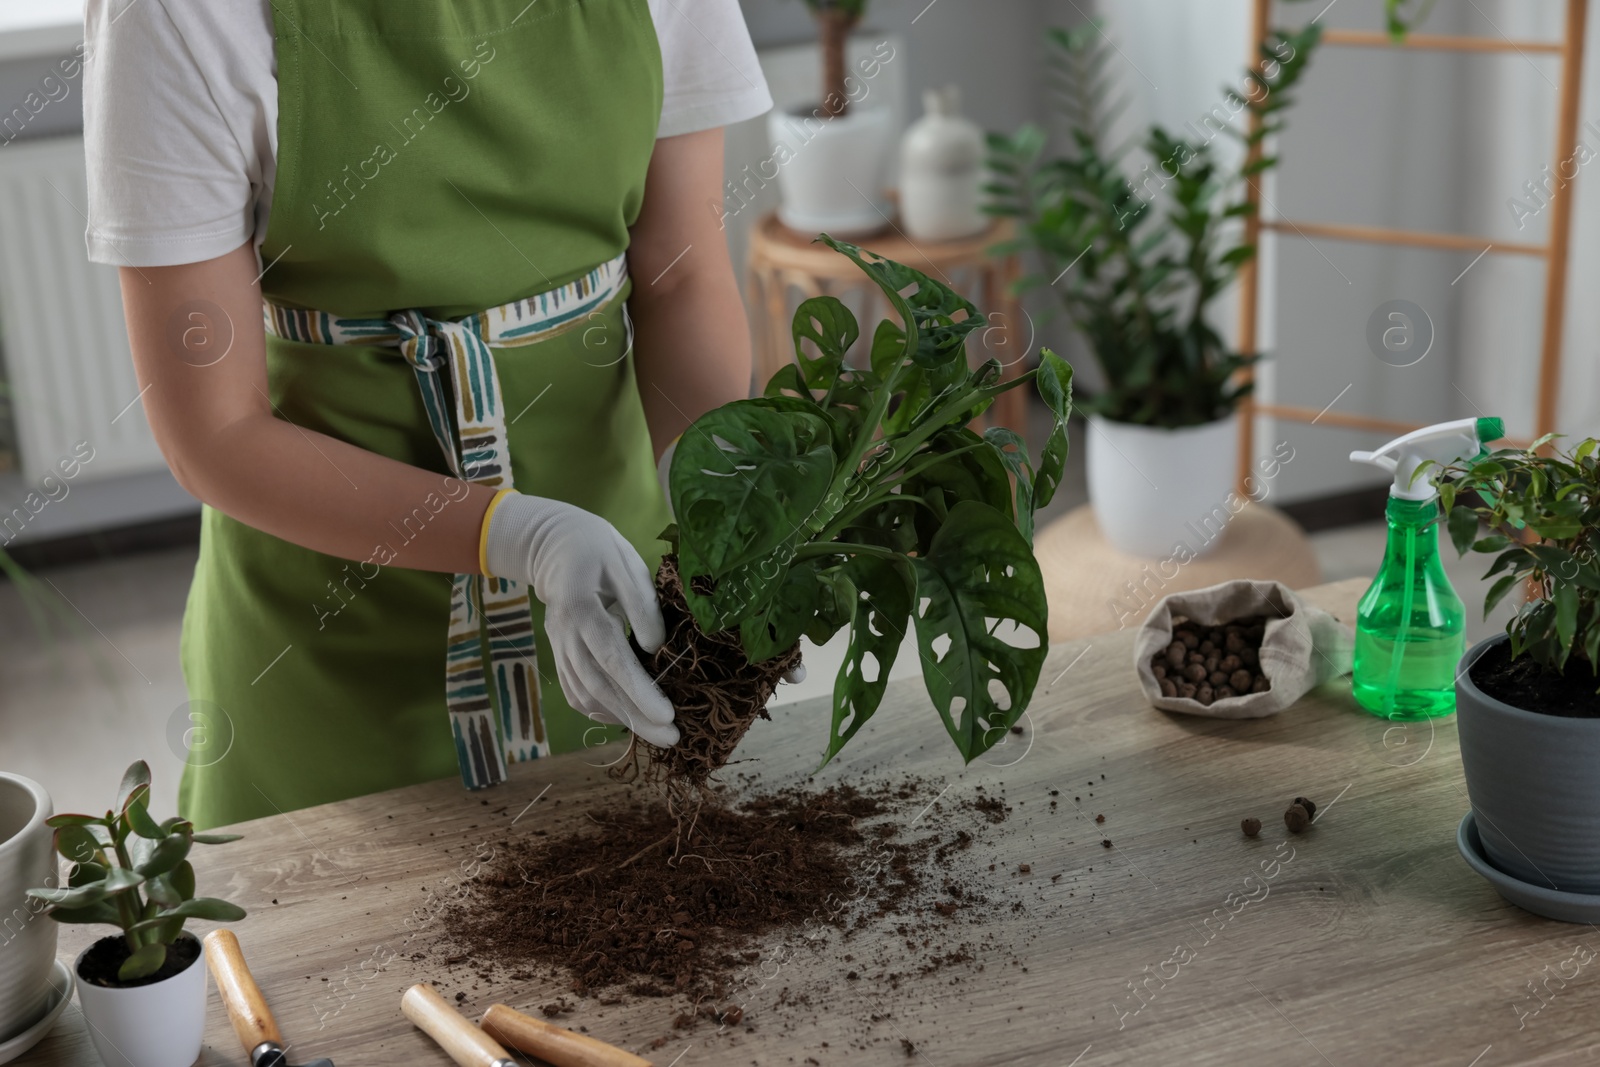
[435,159]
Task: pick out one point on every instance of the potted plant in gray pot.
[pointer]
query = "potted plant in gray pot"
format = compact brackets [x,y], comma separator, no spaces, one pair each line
[1137,246]
[832,157]
[143,989]
[1528,700]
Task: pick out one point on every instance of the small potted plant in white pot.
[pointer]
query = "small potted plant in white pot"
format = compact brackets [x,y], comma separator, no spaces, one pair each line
[833,157]
[1137,247]
[143,990]
[1528,700]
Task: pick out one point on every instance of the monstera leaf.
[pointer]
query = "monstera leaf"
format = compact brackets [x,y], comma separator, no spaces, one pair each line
[935,320]
[832,329]
[876,632]
[774,629]
[745,478]
[1055,386]
[979,575]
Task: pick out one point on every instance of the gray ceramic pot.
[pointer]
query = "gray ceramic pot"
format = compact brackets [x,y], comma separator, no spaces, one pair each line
[1534,786]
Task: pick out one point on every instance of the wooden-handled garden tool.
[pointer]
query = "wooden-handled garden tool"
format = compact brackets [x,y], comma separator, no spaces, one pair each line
[247,1008]
[555,1045]
[466,1044]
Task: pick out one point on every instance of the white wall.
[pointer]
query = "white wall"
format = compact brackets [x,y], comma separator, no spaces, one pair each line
[1509,110]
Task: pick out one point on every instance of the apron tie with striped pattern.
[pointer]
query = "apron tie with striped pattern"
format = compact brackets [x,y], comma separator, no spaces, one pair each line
[491,678]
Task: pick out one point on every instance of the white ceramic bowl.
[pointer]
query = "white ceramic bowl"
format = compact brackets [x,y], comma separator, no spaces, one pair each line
[27,935]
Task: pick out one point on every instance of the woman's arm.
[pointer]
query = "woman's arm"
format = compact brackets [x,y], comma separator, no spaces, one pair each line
[217,430]
[692,342]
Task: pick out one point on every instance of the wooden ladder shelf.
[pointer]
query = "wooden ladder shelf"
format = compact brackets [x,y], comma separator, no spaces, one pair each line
[1553,251]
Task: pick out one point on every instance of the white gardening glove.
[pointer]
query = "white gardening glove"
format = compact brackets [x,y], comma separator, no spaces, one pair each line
[589,579]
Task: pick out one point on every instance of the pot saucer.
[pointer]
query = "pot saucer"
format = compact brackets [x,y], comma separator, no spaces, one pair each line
[1541,900]
[61,985]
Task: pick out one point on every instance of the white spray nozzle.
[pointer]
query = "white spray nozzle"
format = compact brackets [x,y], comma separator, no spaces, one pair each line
[1443,443]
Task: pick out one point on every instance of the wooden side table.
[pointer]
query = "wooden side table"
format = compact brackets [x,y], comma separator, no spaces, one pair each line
[782,263]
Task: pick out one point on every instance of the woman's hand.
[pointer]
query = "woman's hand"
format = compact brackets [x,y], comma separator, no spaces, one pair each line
[589,579]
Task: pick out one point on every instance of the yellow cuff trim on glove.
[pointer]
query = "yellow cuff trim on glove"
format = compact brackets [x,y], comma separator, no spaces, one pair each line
[483,532]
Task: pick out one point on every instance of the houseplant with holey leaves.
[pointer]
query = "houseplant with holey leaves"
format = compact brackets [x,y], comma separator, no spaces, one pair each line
[1528,700]
[831,156]
[1137,242]
[853,494]
[143,989]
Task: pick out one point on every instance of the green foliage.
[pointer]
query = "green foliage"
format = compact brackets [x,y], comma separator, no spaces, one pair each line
[1137,264]
[853,8]
[857,496]
[132,872]
[1543,514]
[1401,16]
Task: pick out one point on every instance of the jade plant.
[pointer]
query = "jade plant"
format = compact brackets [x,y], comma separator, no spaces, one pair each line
[1135,254]
[856,494]
[1554,498]
[133,873]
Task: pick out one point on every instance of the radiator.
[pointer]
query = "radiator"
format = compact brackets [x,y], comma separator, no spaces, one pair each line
[64,343]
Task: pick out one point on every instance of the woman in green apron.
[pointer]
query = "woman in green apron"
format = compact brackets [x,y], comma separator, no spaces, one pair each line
[422,419]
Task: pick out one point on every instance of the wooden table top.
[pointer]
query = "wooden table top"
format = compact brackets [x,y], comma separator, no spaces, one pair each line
[1368,941]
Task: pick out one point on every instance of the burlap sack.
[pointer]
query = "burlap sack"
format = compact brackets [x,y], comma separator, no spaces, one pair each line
[1303,646]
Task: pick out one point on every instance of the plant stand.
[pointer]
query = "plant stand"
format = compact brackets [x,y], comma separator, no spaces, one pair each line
[782,262]
[1093,588]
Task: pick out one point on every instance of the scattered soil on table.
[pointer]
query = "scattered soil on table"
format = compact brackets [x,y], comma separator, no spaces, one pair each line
[1211,663]
[879,882]
[714,688]
[612,907]
[105,956]
[1524,684]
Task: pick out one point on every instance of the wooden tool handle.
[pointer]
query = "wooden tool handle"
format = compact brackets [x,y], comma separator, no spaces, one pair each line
[554,1044]
[247,1008]
[466,1044]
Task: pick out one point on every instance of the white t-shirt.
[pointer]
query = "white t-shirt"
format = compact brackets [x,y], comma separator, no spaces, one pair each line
[180,115]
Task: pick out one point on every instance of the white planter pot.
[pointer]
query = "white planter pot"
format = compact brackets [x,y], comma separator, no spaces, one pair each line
[1154,489]
[832,171]
[156,1025]
[27,936]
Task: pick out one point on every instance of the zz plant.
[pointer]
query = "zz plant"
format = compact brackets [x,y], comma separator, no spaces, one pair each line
[1556,498]
[132,872]
[1137,264]
[859,496]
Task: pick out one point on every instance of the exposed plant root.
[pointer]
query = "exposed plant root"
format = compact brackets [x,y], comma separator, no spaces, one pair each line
[717,693]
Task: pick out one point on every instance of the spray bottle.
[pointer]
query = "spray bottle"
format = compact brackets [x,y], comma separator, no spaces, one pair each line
[1410,625]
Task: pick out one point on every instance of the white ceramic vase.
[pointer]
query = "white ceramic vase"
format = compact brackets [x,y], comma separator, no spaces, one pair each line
[1154,489]
[832,171]
[941,171]
[27,935]
[157,1025]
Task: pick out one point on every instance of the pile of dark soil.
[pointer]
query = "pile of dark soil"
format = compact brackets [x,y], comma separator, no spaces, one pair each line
[1524,684]
[714,688]
[1211,663]
[614,907]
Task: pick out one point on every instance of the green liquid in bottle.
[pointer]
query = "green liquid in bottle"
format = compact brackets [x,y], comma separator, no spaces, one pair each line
[1410,625]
